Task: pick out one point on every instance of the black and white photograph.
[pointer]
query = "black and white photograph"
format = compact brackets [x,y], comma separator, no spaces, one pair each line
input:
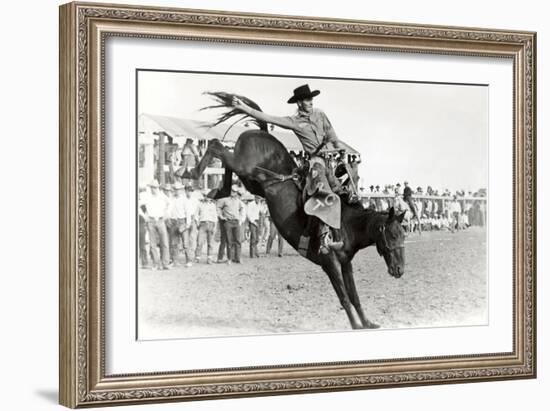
[272,204]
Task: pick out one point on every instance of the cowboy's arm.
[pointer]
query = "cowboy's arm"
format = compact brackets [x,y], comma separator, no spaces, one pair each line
[330,135]
[219,208]
[284,122]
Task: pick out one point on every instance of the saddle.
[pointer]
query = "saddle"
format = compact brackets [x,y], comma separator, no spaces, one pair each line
[325,203]
[320,200]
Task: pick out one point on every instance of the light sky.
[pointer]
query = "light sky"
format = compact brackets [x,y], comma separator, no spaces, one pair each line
[427,134]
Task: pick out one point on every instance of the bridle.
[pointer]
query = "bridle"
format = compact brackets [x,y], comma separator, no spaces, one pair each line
[385,248]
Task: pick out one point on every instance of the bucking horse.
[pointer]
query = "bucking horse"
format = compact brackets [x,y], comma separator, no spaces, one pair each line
[266,168]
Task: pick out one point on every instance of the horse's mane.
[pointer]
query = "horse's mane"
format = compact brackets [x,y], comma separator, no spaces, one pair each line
[225,100]
[363,216]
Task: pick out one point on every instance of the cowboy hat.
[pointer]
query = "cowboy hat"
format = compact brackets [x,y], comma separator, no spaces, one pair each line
[178,186]
[302,93]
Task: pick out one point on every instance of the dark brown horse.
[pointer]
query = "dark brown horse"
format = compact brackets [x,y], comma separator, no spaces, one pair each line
[257,151]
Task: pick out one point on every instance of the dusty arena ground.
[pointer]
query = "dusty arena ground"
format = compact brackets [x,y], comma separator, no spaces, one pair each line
[445,284]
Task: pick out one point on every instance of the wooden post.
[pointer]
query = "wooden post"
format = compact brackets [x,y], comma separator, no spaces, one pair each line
[161,158]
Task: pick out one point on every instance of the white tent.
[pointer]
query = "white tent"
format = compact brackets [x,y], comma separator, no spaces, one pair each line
[180,129]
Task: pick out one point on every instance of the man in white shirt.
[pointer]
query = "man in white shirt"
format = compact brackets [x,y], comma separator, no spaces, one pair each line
[253,217]
[168,220]
[232,211]
[178,224]
[191,228]
[142,226]
[455,210]
[263,227]
[156,206]
[273,232]
[207,217]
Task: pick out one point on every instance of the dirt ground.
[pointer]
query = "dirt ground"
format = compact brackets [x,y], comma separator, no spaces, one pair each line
[445,284]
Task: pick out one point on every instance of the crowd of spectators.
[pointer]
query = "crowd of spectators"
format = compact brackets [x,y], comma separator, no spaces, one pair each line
[177,223]
[436,209]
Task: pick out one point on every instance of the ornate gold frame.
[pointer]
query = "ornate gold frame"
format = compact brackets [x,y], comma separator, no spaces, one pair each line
[83,30]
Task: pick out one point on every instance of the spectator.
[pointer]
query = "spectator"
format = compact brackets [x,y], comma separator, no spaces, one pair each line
[178,222]
[383,204]
[207,217]
[142,227]
[398,189]
[167,192]
[189,155]
[264,222]
[191,228]
[231,210]
[455,211]
[223,247]
[253,208]
[413,206]
[156,205]
[428,207]
[273,232]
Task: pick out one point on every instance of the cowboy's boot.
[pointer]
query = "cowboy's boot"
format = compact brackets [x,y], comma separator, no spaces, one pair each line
[336,244]
[331,239]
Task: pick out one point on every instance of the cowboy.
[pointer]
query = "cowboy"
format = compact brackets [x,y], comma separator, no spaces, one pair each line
[191,227]
[178,224]
[274,233]
[252,211]
[407,196]
[207,218]
[156,205]
[232,211]
[168,220]
[315,132]
[144,243]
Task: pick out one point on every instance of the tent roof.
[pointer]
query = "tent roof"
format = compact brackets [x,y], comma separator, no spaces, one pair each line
[184,128]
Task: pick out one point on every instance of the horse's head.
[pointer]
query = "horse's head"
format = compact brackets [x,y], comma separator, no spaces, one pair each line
[390,243]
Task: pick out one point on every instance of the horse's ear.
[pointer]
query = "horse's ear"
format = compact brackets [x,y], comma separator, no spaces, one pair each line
[391,214]
[400,217]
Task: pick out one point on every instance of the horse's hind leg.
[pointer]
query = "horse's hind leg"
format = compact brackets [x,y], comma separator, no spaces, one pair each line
[349,282]
[331,267]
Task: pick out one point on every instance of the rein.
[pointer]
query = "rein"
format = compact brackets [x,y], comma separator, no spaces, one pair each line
[278,178]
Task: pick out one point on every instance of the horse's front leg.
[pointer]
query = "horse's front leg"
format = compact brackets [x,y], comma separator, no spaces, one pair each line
[331,267]
[225,189]
[349,282]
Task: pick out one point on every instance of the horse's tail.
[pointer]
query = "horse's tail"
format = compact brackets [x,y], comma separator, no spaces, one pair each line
[225,100]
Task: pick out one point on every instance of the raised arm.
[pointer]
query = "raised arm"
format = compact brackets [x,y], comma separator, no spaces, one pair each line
[284,122]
